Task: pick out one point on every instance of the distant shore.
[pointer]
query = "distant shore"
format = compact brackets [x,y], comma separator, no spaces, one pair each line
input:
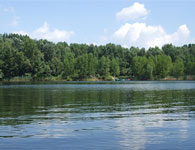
[169,78]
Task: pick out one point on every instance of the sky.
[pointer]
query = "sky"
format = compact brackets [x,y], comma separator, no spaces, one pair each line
[140,23]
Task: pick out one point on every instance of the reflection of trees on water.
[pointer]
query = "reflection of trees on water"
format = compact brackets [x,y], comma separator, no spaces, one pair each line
[18,105]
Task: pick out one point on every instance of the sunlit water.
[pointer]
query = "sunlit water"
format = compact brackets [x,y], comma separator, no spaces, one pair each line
[105,115]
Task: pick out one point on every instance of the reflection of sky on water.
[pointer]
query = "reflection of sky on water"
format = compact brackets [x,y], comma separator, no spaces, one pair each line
[101,85]
[134,129]
[141,130]
[132,133]
[134,116]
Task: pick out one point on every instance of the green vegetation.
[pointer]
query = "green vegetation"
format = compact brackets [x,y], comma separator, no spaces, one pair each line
[22,58]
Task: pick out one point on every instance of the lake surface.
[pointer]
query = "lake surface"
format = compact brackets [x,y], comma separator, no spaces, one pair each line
[98,115]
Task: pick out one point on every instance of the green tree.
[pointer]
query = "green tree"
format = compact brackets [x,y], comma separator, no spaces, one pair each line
[92,63]
[8,65]
[142,68]
[20,55]
[171,51]
[56,66]
[22,63]
[190,68]
[37,65]
[82,66]
[104,67]
[178,68]
[162,66]
[154,51]
[114,68]
[69,65]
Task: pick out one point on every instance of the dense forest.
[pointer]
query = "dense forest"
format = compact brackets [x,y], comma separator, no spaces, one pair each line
[24,58]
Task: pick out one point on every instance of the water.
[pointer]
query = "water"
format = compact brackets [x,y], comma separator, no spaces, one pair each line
[106,115]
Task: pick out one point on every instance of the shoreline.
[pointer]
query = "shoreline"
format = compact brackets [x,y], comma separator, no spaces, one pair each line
[96,80]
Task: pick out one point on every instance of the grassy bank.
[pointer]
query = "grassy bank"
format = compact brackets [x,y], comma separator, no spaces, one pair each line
[109,78]
[189,77]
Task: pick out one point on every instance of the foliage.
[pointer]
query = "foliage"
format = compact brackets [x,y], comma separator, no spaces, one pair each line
[178,68]
[23,57]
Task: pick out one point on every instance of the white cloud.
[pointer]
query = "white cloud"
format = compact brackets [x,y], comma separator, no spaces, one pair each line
[178,38]
[133,12]
[45,32]
[21,32]
[142,35]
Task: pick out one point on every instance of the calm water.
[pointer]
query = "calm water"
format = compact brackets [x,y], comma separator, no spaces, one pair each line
[84,115]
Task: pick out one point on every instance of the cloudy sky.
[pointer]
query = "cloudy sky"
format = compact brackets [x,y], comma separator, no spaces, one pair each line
[142,23]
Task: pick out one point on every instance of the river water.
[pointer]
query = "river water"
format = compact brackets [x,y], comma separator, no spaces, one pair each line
[129,115]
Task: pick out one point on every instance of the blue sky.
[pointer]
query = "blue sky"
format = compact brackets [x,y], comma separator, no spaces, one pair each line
[142,23]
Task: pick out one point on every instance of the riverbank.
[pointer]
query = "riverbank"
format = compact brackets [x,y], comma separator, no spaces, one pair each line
[189,77]
[110,78]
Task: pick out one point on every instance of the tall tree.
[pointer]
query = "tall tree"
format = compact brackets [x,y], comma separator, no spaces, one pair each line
[37,65]
[163,65]
[114,67]
[104,67]
[178,68]
[69,65]
[8,65]
[82,66]
[92,63]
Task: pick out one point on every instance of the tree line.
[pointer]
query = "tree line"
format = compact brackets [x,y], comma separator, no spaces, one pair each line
[21,56]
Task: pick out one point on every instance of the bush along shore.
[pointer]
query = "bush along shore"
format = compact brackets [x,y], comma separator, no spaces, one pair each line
[25,59]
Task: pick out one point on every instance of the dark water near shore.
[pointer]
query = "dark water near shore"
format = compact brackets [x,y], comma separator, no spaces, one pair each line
[106,115]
